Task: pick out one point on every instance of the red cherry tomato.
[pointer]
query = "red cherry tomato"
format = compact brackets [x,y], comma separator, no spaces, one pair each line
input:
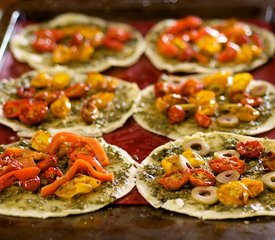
[176,114]
[201,177]
[119,34]
[48,96]
[55,34]
[250,149]
[190,87]
[10,164]
[252,101]
[31,184]
[237,96]
[76,90]
[34,113]
[222,164]
[77,39]
[202,120]
[161,88]
[52,173]
[13,108]
[268,160]
[89,112]
[227,55]
[175,180]
[112,44]
[44,45]
[25,92]
[47,162]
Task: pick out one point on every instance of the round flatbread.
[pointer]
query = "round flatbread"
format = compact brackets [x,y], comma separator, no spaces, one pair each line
[150,118]
[102,57]
[172,64]
[15,201]
[150,171]
[111,117]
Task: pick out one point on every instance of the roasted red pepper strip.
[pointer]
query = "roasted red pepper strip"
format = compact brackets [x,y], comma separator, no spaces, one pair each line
[62,137]
[69,175]
[21,175]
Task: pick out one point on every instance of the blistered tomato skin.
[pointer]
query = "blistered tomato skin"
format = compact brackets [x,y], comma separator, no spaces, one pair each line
[250,149]
[201,177]
[175,180]
[219,165]
[31,184]
[176,114]
[34,113]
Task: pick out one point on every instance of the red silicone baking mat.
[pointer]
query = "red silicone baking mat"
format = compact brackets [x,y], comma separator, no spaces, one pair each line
[131,137]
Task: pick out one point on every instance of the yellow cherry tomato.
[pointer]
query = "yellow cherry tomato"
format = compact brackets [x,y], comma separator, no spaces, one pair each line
[209,45]
[61,107]
[102,99]
[240,82]
[194,158]
[255,187]
[171,164]
[84,52]
[40,140]
[246,113]
[63,54]
[233,193]
[41,80]
[60,80]
[94,80]
[245,55]
[218,78]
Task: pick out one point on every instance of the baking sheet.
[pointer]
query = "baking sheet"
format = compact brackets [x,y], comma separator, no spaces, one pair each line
[131,217]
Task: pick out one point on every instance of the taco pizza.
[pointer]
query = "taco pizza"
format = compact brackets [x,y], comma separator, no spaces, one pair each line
[211,176]
[77,42]
[178,106]
[195,45]
[88,104]
[61,175]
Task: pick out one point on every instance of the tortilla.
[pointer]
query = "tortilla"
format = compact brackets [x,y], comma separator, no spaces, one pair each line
[155,121]
[14,201]
[111,117]
[174,65]
[101,59]
[181,201]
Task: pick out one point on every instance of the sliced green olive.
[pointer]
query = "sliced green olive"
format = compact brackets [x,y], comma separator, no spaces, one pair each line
[228,120]
[228,176]
[227,153]
[205,194]
[259,90]
[269,180]
[227,107]
[188,106]
[198,145]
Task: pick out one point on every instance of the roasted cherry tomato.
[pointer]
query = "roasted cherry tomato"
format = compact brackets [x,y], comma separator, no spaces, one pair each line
[201,177]
[254,186]
[13,108]
[268,160]
[25,92]
[40,140]
[55,34]
[175,180]
[34,113]
[161,88]
[228,54]
[233,193]
[76,90]
[250,149]
[10,165]
[80,147]
[176,114]
[31,184]
[52,173]
[44,44]
[89,112]
[119,34]
[112,44]
[48,96]
[237,96]
[47,162]
[61,107]
[77,39]
[190,87]
[219,165]
[202,120]
[252,101]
